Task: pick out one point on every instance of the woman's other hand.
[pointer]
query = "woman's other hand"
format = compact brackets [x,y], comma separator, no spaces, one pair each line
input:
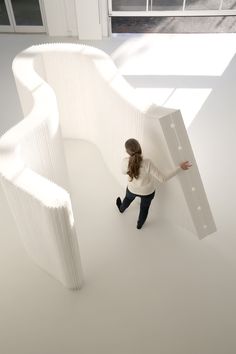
[185,165]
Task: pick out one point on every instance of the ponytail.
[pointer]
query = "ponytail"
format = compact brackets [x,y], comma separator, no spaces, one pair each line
[133,148]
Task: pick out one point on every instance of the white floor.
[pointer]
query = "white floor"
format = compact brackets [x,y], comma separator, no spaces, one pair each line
[158,290]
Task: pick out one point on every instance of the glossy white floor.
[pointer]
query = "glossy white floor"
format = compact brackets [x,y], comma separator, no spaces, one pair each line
[157,290]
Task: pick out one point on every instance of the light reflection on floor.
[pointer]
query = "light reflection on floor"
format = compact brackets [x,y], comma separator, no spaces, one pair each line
[171,54]
[189,101]
[176,57]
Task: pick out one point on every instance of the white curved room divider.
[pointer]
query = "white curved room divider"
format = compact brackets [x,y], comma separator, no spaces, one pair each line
[34,179]
[80,87]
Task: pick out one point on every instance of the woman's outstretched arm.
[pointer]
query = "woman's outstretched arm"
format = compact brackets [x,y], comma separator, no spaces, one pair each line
[161,177]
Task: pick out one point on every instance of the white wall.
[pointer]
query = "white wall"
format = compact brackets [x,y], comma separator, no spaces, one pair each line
[85,19]
[104,17]
[71,19]
[88,16]
[55,17]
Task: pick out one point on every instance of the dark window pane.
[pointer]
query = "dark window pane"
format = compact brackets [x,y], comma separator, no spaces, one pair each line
[167,5]
[202,4]
[27,12]
[4,20]
[128,5]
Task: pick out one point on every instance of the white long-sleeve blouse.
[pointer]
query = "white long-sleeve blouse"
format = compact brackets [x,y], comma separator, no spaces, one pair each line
[149,175]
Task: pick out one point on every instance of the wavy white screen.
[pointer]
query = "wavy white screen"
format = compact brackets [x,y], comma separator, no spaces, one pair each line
[81,86]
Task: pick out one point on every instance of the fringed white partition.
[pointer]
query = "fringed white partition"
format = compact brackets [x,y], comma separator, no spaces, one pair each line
[34,178]
[82,86]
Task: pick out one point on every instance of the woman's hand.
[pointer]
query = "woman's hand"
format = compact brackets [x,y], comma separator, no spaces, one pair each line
[185,165]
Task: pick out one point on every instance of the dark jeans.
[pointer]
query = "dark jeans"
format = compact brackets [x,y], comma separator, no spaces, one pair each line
[144,205]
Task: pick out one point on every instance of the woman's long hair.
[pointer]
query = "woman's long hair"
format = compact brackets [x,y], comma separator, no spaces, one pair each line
[133,148]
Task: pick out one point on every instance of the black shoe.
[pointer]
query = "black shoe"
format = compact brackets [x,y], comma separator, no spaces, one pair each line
[139,226]
[118,203]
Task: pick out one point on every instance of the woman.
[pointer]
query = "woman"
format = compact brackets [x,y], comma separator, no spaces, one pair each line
[141,182]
